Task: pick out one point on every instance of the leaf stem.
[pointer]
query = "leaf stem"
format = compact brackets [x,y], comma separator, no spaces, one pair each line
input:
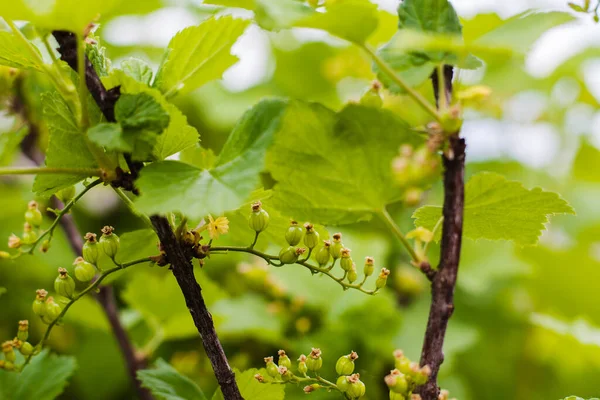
[436,228]
[51,170]
[443,100]
[132,208]
[389,71]
[387,218]
[83,91]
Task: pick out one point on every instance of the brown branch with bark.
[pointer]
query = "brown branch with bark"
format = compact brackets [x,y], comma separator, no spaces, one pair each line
[176,255]
[444,280]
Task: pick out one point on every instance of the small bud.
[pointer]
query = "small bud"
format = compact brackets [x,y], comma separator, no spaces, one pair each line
[336,247]
[271,367]
[23,332]
[284,360]
[67,194]
[285,373]
[422,375]
[397,382]
[369,266]
[413,196]
[9,352]
[39,304]
[311,239]
[259,378]
[402,362]
[352,274]
[259,218]
[372,97]
[323,256]
[14,242]
[33,216]
[294,234]
[29,235]
[84,271]
[345,364]
[64,285]
[4,255]
[314,361]
[45,246]
[311,388]
[290,255]
[346,261]
[356,388]
[53,310]
[342,384]
[382,279]
[26,349]
[302,368]
[109,242]
[91,250]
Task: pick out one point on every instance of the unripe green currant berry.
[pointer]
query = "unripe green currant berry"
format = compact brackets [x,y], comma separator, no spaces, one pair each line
[345,364]
[9,352]
[372,97]
[352,274]
[109,242]
[369,266]
[382,278]
[39,304]
[294,234]
[259,218]
[402,363]
[397,382]
[342,384]
[271,367]
[323,255]
[396,396]
[26,349]
[356,387]
[311,239]
[62,301]
[302,368]
[4,255]
[91,250]
[23,332]
[311,388]
[314,361]
[290,255]
[284,360]
[53,310]
[64,285]
[346,261]
[45,246]
[33,216]
[421,375]
[29,235]
[413,197]
[84,271]
[336,247]
[66,194]
[285,373]
[8,366]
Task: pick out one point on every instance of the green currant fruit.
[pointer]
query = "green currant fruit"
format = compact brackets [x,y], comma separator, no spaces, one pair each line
[342,384]
[259,218]
[396,396]
[352,274]
[285,373]
[23,332]
[39,304]
[314,362]
[311,239]
[294,234]
[345,364]
[336,247]
[64,285]
[346,261]
[29,237]
[33,215]
[67,194]
[397,382]
[356,389]
[323,255]
[84,271]
[26,348]
[109,242]
[402,363]
[53,310]
[382,278]
[284,360]
[45,246]
[369,266]
[272,369]
[91,250]
[372,97]
[302,368]
[9,352]
[289,255]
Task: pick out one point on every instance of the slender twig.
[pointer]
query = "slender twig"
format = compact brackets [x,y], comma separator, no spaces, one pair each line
[269,259]
[50,171]
[444,281]
[389,221]
[389,71]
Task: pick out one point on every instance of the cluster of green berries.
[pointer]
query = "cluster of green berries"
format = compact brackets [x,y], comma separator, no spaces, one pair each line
[406,377]
[414,168]
[19,343]
[49,308]
[348,383]
[31,230]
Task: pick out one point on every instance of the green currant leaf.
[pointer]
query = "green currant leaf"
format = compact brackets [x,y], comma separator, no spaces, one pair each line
[353,20]
[14,53]
[43,379]
[585,166]
[9,143]
[71,15]
[247,4]
[67,146]
[109,136]
[166,383]
[199,54]
[251,389]
[141,111]
[178,135]
[437,16]
[499,209]
[97,56]
[335,168]
[138,70]
[176,186]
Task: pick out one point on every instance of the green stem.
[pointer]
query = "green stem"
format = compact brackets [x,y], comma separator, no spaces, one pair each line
[387,218]
[441,87]
[436,228]
[93,286]
[61,213]
[255,240]
[389,71]
[132,208]
[269,259]
[83,91]
[49,48]
[51,170]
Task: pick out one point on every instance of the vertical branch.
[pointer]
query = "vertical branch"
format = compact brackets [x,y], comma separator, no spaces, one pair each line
[180,262]
[444,281]
[184,273]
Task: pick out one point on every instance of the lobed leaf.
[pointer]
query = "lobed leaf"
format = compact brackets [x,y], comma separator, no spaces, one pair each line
[251,389]
[166,383]
[14,53]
